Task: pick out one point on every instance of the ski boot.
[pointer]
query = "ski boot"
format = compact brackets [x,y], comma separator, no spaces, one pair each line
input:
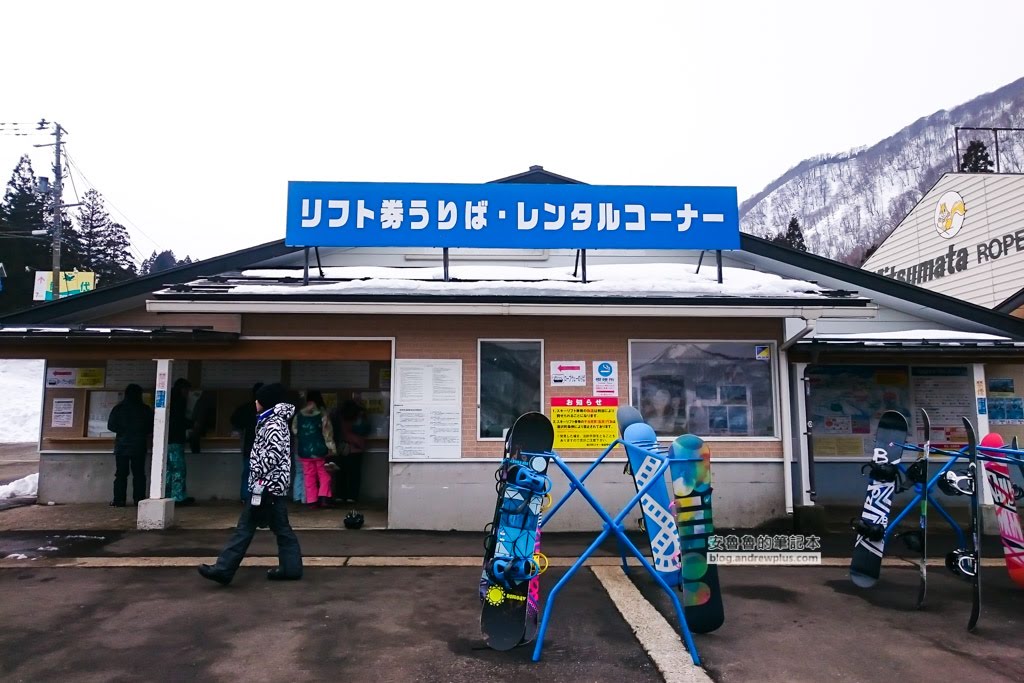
[956,484]
[962,563]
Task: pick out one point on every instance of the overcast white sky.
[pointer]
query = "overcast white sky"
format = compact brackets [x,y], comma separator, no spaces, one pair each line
[190,117]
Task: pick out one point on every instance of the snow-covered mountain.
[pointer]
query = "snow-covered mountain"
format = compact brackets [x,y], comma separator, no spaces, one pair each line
[848,202]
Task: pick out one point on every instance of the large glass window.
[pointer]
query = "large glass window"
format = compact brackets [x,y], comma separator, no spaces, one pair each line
[722,389]
[509,383]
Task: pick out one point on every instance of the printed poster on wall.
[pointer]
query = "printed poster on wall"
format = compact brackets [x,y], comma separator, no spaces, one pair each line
[75,378]
[947,393]
[428,409]
[606,378]
[568,373]
[63,415]
[846,401]
[584,422]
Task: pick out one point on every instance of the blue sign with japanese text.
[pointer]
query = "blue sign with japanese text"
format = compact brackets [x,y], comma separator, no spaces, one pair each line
[506,215]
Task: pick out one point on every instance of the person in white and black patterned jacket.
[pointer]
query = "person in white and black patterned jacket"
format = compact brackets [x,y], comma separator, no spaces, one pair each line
[269,480]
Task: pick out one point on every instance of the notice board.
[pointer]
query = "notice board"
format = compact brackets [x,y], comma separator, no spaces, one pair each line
[427,409]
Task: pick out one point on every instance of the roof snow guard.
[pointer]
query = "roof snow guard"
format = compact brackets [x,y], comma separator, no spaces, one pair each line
[657,283]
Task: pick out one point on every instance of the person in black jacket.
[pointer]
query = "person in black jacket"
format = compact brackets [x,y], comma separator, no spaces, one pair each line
[270,471]
[243,421]
[131,420]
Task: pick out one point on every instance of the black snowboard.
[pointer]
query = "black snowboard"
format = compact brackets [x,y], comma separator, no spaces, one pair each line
[866,565]
[509,612]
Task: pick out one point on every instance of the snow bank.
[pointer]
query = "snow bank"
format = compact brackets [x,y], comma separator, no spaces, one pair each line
[26,487]
[21,388]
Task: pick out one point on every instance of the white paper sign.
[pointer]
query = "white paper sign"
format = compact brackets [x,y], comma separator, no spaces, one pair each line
[428,409]
[63,413]
[568,373]
[606,378]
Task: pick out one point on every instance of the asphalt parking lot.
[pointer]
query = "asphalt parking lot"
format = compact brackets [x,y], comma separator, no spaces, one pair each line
[351,623]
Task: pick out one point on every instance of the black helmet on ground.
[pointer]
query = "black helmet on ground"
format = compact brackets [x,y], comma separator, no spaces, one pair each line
[354,520]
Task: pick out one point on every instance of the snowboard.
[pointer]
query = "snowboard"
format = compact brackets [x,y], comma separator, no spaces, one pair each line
[998,475]
[644,462]
[690,468]
[510,566]
[975,478]
[868,549]
[625,416]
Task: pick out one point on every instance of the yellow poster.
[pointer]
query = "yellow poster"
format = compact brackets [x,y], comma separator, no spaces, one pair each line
[90,378]
[584,422]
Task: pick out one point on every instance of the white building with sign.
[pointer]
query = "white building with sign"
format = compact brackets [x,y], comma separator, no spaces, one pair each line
[444,350]
[965,239]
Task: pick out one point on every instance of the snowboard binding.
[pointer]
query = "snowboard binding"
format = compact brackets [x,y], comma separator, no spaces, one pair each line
[957,484]
[913,540]
[1018,492]
[504,570]
[917,472]
[873,531]
[962,563]
[880,469]
[525,477]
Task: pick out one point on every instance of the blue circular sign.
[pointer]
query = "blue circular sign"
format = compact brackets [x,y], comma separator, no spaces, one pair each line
[604,369]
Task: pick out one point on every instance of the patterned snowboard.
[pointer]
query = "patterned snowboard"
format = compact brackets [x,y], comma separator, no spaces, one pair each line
[690,467]
[998,475]
[866,565]
[506,610]
[639,440]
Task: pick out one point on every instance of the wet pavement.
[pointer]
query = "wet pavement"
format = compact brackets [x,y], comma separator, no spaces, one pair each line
[401,605]
[790,624]
[379,624]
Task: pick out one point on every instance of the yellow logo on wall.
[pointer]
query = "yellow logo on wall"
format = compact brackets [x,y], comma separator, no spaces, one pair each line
[949,214]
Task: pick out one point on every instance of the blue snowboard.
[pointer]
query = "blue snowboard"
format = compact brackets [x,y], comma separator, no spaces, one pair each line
[509,564]
[644,460]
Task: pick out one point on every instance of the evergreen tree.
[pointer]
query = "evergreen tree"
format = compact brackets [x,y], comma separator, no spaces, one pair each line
[976,158]
[793,237]
[104,247]
[165,260]
[22,210]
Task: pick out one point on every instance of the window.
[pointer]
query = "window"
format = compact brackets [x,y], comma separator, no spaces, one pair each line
[723,389]
[509,383]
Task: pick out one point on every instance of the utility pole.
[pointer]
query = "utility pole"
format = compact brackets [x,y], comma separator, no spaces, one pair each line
[57,206]
[57,186]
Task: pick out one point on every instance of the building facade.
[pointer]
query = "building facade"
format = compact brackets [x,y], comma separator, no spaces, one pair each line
[445,350]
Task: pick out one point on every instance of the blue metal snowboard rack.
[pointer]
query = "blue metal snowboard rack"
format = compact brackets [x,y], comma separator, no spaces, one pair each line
[613,526]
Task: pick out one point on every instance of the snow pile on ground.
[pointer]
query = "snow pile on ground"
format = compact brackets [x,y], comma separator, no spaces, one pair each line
[21,389]
[26,487]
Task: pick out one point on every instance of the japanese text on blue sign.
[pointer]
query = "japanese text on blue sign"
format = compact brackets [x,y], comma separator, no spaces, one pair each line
[505,215]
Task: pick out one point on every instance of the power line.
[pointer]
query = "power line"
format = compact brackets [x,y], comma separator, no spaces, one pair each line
[78,168]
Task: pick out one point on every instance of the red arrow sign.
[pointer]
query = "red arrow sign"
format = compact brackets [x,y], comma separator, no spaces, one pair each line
[568,367]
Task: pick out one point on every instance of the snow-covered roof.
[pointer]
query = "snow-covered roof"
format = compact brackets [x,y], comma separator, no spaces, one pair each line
[914,335]
[628,280]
